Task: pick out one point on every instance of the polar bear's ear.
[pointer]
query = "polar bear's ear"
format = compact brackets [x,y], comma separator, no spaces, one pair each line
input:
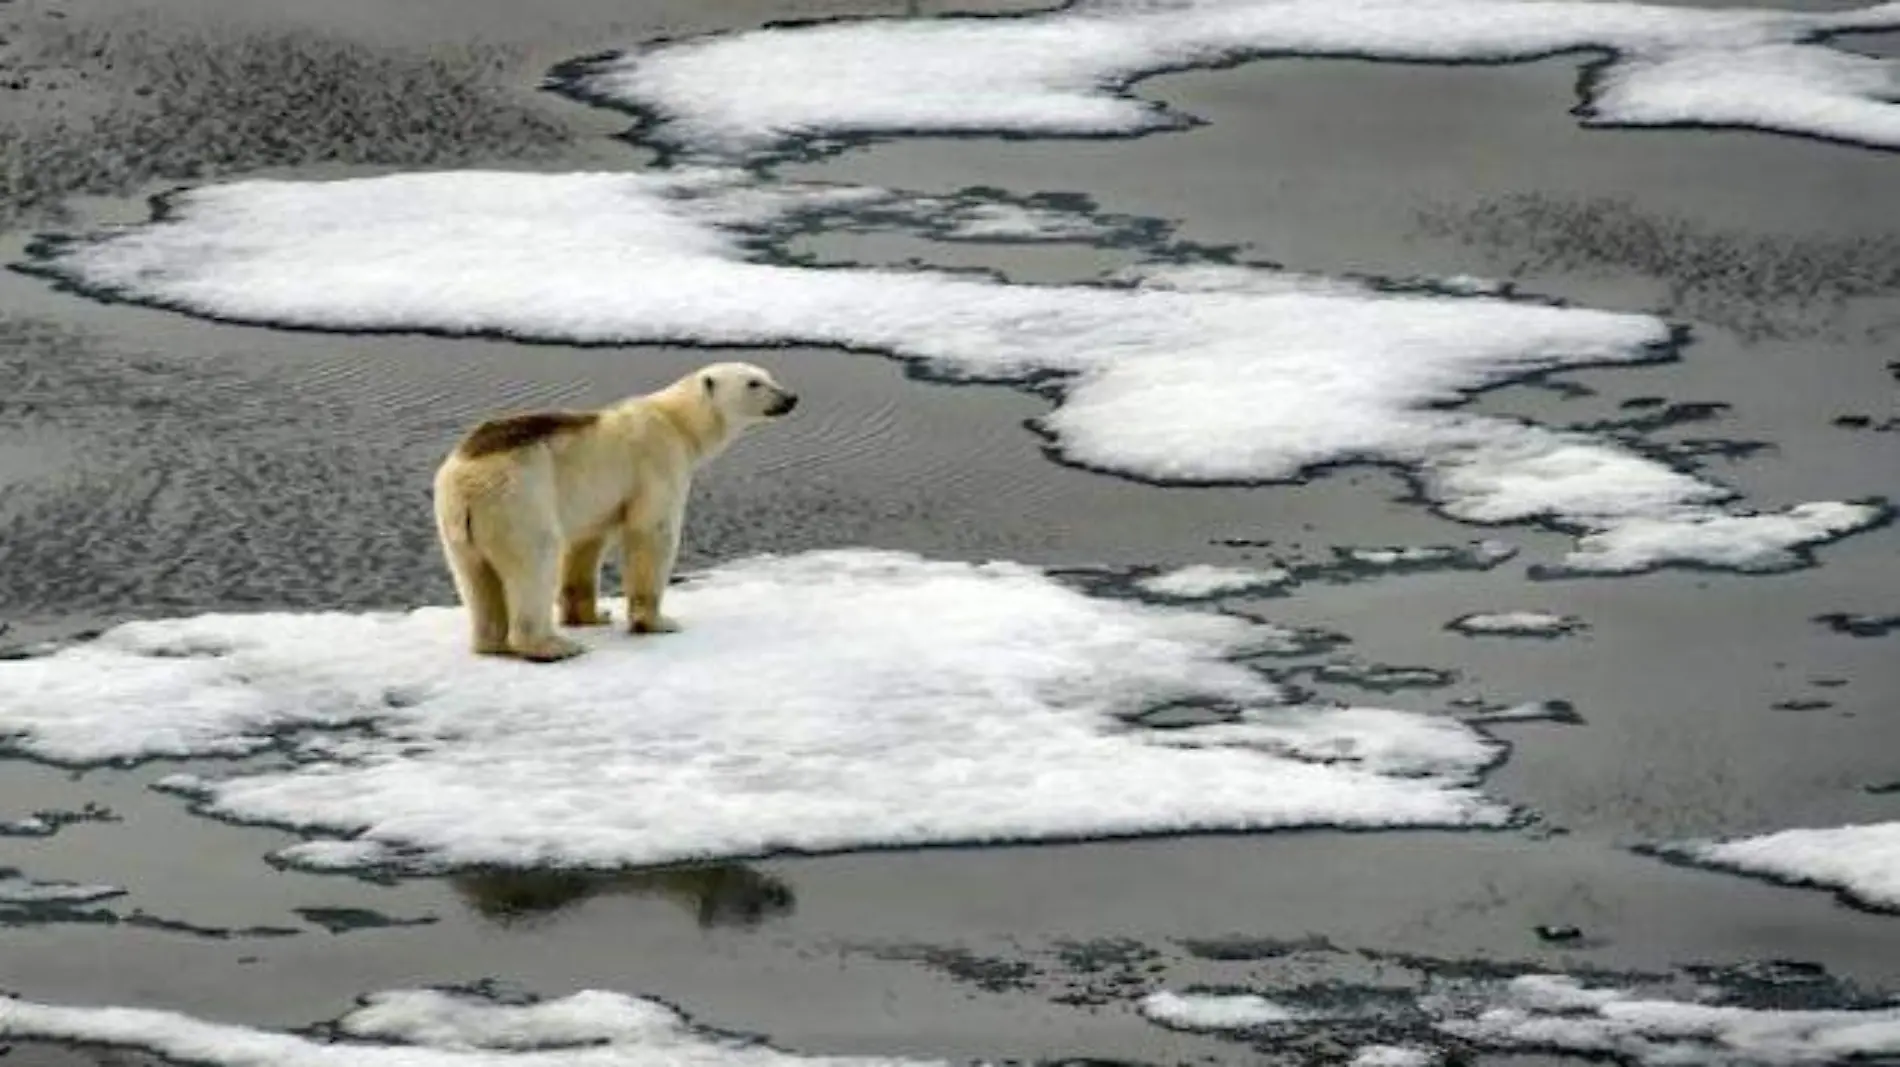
[707,381]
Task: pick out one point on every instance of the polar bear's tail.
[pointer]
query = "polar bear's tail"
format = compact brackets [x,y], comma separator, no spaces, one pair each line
[454,519]
[459,528]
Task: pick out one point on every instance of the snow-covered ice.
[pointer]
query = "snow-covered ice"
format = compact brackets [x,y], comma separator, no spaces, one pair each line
[1198,581]
[1199,374]
[1393,1056]
[1066,72]
[1377,739]
[592,1028]
[426,1028]
[827,701]
[1551,1014]
[1516,624]
[1213,1011]
[1558,1013]
[1861,862]
[1012,222]
[1714,539]
[1480,555]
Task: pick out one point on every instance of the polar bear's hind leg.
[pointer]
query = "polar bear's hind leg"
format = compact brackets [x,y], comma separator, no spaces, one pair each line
[531,580]
[482,594]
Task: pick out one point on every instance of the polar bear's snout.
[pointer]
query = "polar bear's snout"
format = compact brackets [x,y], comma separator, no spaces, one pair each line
[750,393]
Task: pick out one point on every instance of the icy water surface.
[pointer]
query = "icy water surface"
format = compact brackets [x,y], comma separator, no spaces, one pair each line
[1384,448]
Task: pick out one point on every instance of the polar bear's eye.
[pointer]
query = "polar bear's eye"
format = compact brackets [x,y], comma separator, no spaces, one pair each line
[753,384]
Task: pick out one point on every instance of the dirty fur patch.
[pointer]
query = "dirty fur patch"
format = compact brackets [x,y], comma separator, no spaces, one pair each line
[519,431]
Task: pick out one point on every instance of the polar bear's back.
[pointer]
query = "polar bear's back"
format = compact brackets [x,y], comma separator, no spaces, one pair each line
[579,470]
[511,432]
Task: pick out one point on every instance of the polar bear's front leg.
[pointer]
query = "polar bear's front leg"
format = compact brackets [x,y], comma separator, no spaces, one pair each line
[650,552]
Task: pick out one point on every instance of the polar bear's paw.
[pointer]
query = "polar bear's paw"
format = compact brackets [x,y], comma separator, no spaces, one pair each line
[549,649]
[655,624]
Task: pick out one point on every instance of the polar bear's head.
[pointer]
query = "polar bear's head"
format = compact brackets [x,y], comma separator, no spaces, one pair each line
[744,393]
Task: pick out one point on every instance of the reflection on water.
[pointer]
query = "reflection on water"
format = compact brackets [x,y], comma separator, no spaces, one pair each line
[722,894]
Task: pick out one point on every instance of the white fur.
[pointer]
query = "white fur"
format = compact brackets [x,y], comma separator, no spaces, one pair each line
[523,524]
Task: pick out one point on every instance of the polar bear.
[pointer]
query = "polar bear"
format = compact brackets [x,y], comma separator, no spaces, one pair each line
[525,504]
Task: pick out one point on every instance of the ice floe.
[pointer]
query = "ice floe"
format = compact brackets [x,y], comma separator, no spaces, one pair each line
[1515,624]
[826,701]
[425,1028]
[1393,1056]
[1377,739]
[1558,1013]
[1213,1011]
[1199,374]
[1861,862]
[593,1028]
[1010,222]
[1066,72]
[1719,540]
[1479,555]
[1461,1017]
[1198,581]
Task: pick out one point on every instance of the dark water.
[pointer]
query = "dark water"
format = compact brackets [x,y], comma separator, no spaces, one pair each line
[153,465]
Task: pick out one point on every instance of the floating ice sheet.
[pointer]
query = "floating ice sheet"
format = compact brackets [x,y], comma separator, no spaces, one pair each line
[827,701]
[1199,374]
[1718,540]
[1065,72]
[1543,1013]
[1515,624]
[1393,1056]
[1557,1013]
[1198,581]
[1011,222]
[1861,862]
[1481,555]
[426,1028]
[1213,1011]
